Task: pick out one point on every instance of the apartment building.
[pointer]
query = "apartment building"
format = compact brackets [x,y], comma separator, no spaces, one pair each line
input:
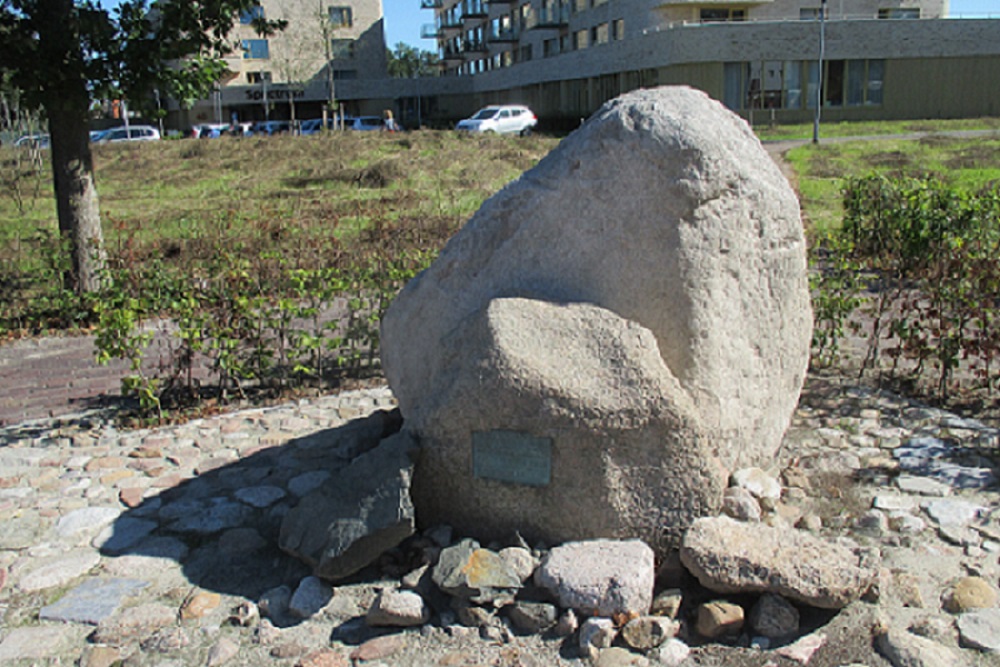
[294,73]
[883,58]
[476,36]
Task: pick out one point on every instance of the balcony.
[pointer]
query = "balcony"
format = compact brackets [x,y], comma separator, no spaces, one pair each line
[474,46]
[430,31]
[452,54]
[505,34]
[551,16]
[431,4]
[475,9]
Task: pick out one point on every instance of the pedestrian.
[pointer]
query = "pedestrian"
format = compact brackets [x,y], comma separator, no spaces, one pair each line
[390,123]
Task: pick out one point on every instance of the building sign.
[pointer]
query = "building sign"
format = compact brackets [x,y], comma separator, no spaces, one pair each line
[256,95]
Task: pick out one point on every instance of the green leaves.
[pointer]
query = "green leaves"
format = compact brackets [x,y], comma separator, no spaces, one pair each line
[915,269]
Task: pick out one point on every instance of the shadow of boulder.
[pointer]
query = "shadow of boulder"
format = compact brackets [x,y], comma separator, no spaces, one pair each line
[222,525]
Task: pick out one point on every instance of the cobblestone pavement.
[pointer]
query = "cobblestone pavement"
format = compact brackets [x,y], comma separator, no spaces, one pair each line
[144,546]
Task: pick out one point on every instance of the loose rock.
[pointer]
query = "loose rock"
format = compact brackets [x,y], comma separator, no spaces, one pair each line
[729,556]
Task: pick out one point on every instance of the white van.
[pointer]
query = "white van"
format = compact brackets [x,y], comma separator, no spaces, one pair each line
[130,133]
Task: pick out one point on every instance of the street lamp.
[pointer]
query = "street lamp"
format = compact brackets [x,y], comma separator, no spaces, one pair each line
[819,74]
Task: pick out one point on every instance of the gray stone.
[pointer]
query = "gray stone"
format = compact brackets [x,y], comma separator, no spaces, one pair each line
[260,496]
[667,603]
[620,657]
[85,520]
[311,595]
[922,486]
[361,513]
[274,602]
[123,535]
[304,484]
[952,512]
[757,482]
[521,561]
[220,514]
[20,532]
[596,633]
[38,643]
[981,629]
[59,571]
[134,624]
[672,653]
[221,652]
[728,556]
[905,649]
[92,601]
[399,609]
[740,504]
[605,577]
[893,502]
[664,334]
[774,617]
[647,632]
[927,456]
[467,571]
[533,617]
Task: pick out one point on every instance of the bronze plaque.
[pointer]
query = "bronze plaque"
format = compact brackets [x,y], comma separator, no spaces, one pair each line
[512,456]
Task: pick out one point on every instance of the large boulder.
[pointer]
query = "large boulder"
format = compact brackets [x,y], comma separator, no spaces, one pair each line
[610,335]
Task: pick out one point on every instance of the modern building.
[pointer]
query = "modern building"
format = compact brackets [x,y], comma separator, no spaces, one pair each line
[295,72]
[564,58]
[881,59]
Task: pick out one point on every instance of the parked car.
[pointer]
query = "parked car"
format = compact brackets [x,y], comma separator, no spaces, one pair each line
[33,141]
[503,119]
[209,130]
[267,128]
[365,123]
[130,133]
[95,135]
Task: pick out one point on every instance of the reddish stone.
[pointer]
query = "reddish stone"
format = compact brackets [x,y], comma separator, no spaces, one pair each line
[378,648]
[324,657]
[131,497]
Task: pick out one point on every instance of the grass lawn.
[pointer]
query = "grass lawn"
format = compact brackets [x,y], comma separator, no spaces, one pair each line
[166,195]
[970,163]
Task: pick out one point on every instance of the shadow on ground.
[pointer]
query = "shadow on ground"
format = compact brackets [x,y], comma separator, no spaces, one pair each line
[222,525]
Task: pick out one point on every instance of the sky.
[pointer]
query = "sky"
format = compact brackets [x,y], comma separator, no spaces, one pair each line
[403,19]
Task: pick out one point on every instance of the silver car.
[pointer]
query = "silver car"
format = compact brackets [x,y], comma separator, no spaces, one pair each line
[502,119]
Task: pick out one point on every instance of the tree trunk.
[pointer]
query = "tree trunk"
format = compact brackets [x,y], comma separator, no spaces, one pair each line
[67,104]
[76,199]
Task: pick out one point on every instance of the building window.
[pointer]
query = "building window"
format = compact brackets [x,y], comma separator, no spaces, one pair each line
[341,17]
[251,15]
[618,29]
[255,49]
[899,13]
[779,84]
[721,15]
[579,40]
[524,54]
[341,48]
[550,47]
[258,77]
[345,74]
[809,13]
[579,6]
[600,34]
